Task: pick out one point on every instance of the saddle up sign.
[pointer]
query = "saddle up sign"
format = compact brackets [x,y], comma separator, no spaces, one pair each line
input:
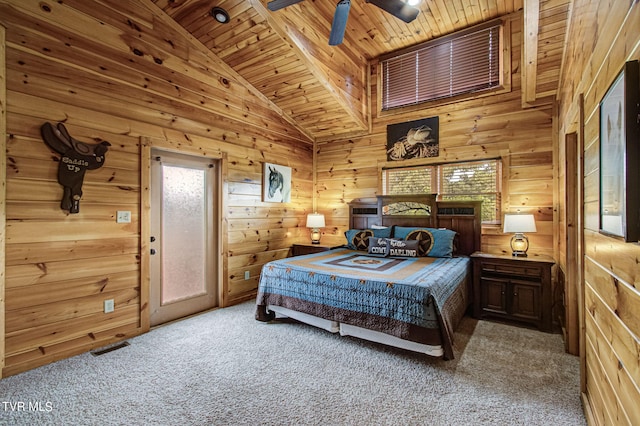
[77,158]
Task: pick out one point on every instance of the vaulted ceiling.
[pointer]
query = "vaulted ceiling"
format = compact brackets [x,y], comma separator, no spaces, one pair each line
[322,89]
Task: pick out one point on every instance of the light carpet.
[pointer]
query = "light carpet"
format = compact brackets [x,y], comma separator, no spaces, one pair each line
[225,368]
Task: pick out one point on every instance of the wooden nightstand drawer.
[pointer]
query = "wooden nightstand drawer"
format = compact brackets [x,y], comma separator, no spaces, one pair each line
[525,271]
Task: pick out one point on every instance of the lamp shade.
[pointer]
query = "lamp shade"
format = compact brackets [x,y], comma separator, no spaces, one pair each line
[519,223]
[315,220]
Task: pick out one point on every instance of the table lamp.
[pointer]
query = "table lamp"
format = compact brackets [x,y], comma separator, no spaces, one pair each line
[315,221]
[519,224]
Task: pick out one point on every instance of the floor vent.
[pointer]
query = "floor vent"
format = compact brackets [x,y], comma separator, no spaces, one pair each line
[108,349]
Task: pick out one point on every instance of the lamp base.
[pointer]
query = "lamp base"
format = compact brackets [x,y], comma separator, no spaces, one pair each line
[519,245]
[315,236]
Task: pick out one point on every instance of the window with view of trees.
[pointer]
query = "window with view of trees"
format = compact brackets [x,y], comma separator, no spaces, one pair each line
[465,62]
[477,180]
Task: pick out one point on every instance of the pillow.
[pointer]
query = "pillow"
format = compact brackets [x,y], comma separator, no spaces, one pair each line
[357,239]
[378,227]
[432,242]
[378,246]
[402,248]
[383,232]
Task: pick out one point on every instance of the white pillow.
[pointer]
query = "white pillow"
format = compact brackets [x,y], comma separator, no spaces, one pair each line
[378,227]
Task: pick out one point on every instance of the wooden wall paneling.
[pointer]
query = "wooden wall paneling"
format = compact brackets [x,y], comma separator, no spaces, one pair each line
[128,87]
[602,326]
[3,186]
[616,363]
[60,291]
[29,346]
[611,349]
[602,400]
[619,303]
[484,127]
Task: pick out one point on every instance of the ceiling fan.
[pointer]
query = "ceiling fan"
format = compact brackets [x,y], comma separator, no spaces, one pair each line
[398,8]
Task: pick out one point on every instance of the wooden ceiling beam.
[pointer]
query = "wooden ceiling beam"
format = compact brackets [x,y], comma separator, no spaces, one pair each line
[358,115]
[530,50]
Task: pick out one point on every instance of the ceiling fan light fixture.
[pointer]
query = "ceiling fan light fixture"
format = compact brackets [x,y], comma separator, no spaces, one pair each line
[413,2]
[220,15]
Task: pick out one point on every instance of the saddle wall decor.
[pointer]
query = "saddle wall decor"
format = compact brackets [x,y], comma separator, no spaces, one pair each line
[413,139]
[77,158]
[276,183]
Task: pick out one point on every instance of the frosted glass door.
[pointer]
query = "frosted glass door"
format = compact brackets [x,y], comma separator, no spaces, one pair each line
[184,224]
[182,229]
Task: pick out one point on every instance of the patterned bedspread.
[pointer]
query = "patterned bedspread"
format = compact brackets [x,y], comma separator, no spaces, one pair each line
[418,299]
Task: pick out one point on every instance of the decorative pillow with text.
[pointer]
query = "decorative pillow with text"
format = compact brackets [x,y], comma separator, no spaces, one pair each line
[378,247]
[403,248]
[432,242]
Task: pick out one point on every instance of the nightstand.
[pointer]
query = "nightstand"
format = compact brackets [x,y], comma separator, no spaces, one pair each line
[514,289]
[308,248]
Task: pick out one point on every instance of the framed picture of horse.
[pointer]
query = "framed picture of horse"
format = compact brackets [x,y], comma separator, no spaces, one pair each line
[276,183]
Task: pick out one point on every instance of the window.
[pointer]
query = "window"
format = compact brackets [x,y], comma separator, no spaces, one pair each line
[477,180]
[464,62]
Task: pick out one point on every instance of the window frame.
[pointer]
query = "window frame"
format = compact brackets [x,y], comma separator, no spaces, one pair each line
[436,174]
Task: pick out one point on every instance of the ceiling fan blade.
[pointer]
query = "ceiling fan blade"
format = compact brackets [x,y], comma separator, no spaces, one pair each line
[397,8]
[280,4]
[339,22]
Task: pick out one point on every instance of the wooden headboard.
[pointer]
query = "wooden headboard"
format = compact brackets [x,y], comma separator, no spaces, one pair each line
[421,210]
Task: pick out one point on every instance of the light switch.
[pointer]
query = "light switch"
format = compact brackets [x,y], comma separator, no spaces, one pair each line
[123,216]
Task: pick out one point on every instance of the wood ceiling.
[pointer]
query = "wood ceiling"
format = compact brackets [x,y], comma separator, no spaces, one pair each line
[323,90]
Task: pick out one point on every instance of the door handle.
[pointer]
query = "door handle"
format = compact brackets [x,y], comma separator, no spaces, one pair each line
[153,251]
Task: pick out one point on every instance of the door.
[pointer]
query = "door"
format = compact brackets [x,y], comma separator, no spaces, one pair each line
[525,304]
[494,295]
[184,218]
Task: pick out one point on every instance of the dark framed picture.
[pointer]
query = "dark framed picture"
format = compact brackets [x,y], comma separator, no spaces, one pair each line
[276,183]
[619,156]
[413,139]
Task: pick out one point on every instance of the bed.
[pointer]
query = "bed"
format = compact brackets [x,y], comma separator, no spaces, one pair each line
[403,278]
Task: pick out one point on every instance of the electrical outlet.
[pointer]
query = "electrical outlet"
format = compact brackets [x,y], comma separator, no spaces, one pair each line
[246,275]
[123,216]
[109,306]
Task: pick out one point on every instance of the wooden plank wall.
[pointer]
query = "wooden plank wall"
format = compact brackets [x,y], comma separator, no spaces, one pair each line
[486,127]
[3,187]
[611,323]
[123,71]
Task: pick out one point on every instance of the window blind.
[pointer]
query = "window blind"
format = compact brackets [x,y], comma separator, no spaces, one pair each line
[461,63]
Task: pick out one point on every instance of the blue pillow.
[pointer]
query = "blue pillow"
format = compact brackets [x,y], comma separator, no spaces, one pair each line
[357,239]
[432,242]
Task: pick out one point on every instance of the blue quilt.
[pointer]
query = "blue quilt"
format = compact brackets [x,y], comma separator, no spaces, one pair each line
[404,297]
